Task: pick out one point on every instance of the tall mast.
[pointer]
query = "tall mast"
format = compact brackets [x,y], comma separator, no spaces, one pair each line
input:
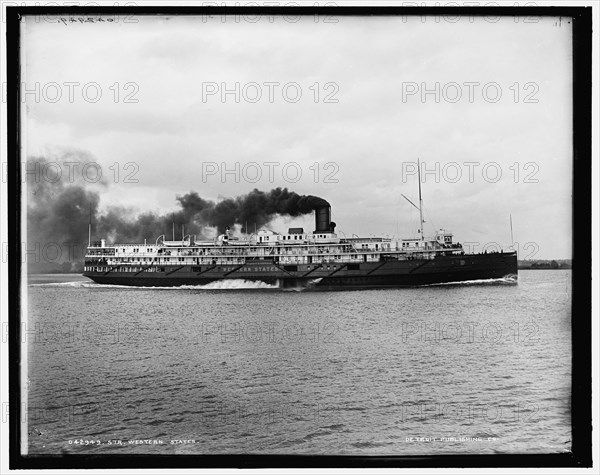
[420,201]
[90,228]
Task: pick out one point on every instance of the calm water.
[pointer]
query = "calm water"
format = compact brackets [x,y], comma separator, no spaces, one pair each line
[443,369]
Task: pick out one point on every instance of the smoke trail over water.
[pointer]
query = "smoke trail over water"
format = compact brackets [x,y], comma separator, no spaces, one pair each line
[59,212]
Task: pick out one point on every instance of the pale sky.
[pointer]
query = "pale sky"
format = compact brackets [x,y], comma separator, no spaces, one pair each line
[374,131]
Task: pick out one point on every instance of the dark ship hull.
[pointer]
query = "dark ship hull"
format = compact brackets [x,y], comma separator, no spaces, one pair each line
[389,272]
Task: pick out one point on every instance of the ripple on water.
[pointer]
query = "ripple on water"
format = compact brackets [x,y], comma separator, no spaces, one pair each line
[245,371]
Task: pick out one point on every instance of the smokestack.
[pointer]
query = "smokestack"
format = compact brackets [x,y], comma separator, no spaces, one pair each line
[323,222]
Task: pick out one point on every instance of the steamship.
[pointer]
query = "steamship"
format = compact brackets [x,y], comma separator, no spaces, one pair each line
[297,259]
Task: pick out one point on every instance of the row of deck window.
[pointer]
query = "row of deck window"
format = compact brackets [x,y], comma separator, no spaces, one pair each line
[122,269]
[193,269]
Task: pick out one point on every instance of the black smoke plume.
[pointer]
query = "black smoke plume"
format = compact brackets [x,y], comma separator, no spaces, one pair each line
[59,213]
[195,213]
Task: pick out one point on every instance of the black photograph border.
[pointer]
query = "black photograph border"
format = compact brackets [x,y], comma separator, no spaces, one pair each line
[581,400]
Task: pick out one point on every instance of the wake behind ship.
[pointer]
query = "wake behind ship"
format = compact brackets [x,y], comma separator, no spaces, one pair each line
[320,260]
